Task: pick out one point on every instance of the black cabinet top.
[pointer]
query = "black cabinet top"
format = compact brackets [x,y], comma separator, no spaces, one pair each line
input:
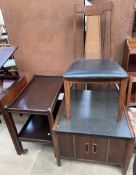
[94,113]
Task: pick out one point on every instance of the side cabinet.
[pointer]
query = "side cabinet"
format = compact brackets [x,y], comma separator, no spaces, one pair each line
[107,150]
[93,134]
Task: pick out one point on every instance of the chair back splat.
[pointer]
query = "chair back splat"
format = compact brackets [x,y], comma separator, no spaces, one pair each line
[97,31]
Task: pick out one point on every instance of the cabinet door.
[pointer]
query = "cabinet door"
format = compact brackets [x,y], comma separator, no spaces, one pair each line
[117,150]
[83,147]
[66,145]
[91,148]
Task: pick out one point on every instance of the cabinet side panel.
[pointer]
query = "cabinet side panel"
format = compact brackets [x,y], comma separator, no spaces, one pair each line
[66,145]
[117,151]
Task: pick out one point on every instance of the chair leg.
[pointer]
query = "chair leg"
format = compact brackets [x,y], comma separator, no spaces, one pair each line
[67,97]
[129,91]
[122,95]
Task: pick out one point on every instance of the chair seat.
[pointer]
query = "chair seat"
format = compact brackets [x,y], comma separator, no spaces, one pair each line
[95,69]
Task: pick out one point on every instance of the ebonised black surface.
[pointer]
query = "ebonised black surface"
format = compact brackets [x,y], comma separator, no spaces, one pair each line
[94,113]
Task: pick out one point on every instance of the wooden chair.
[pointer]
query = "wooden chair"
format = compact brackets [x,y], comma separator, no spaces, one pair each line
[5,99]
[129,64]
[100,70]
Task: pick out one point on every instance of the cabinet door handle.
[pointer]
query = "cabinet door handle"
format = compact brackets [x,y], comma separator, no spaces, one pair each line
[94,148]
[87,148]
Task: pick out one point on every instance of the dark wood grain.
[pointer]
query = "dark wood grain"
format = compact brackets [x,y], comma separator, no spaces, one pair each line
[39,96]
[117,150]
[92,148]
[12,130]
[13,92]
[66,145]
[38,127]
[5,99]
[128,155]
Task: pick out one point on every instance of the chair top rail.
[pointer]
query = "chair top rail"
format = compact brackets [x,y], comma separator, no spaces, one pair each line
[93,10]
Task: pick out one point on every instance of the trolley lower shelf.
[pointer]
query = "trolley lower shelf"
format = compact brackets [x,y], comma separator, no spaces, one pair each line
[36,129]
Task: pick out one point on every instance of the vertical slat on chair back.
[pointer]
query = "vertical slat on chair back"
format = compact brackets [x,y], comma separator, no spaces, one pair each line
[93,40]
[13,91]
[107,34]
[103,15]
